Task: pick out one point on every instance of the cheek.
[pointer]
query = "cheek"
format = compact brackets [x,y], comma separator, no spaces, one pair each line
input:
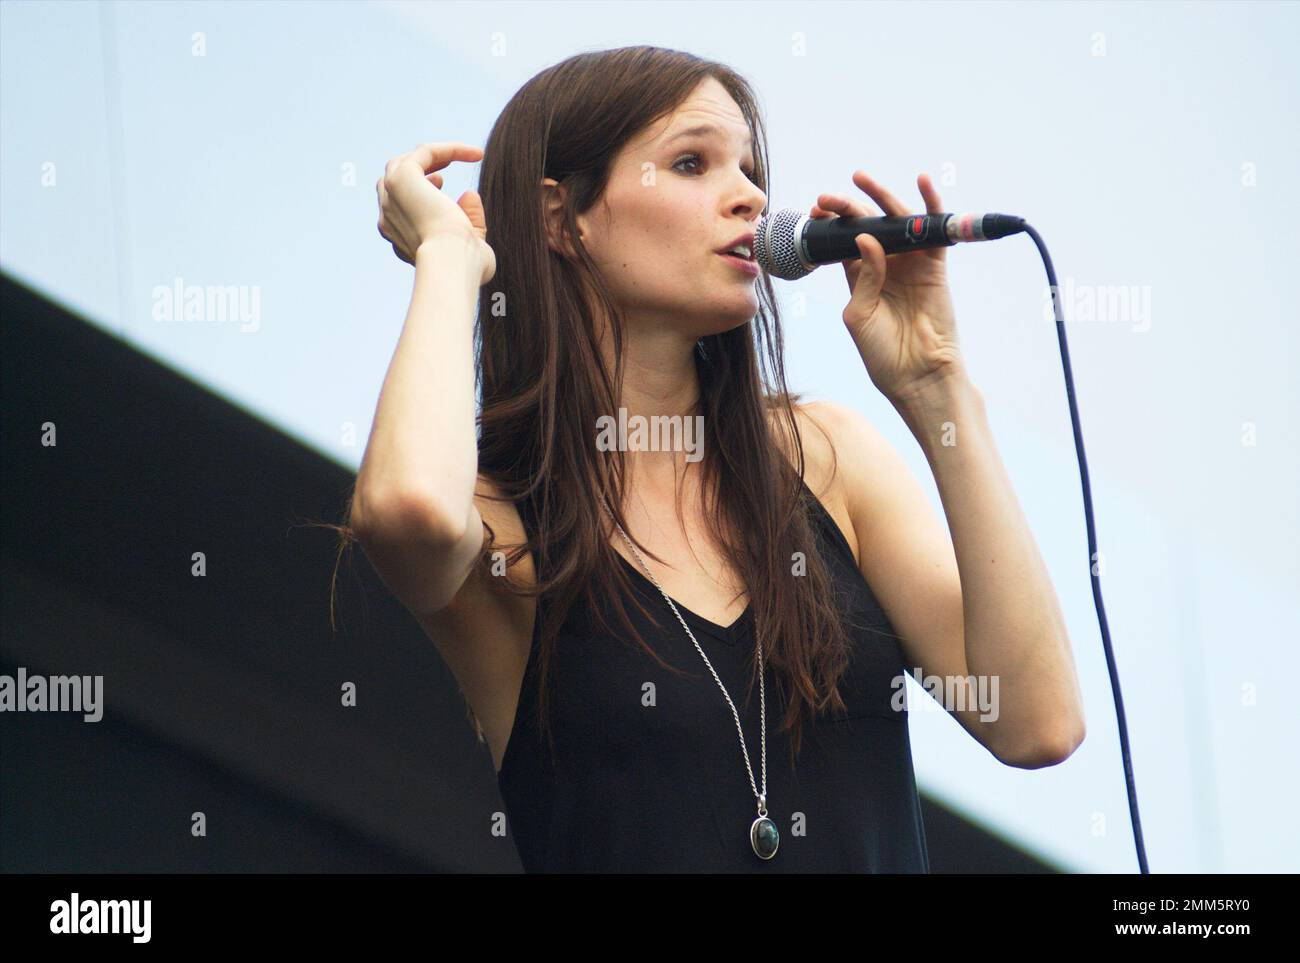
[658,239]
[665,247]
[683,239]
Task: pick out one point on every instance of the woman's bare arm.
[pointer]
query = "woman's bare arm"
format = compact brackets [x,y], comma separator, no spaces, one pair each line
[413,506]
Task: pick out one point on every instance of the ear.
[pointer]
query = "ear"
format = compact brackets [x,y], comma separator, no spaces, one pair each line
[553,197]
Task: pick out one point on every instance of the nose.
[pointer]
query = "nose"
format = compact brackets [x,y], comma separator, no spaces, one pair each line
[751,199]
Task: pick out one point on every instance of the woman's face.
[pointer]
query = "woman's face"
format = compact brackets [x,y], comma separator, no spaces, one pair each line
[674,200]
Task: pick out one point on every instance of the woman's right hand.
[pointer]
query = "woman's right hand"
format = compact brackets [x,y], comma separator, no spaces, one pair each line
[413,209]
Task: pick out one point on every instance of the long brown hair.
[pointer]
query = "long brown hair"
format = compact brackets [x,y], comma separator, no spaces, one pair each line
[544,384]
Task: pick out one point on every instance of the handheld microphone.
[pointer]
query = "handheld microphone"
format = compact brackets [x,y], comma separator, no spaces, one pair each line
[789,244]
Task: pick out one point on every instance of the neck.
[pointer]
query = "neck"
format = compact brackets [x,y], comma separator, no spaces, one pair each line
[659,379]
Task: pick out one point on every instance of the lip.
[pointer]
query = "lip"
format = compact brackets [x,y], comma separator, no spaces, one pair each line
[746,239]
[749,267]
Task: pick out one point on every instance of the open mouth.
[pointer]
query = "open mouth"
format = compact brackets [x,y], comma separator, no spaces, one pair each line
[743,264]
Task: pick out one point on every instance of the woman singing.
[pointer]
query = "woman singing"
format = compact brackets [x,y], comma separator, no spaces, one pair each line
[688,657]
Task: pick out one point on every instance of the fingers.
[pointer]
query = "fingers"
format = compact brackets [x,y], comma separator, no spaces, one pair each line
[398,177]
[382,192]
[933,205]
[836,205]
[432,157]
[472,204]
[891,205]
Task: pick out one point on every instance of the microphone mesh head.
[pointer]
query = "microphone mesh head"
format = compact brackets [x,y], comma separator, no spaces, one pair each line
[776,246]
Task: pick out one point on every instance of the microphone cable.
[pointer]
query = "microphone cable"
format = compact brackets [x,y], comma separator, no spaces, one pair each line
[1093,553]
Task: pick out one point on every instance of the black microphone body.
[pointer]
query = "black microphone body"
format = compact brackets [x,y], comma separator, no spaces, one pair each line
[789,244]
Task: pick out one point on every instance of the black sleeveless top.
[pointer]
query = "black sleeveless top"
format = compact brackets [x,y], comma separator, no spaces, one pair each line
[652,779]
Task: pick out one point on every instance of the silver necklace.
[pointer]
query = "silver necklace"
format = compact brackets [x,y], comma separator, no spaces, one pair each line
[763,835]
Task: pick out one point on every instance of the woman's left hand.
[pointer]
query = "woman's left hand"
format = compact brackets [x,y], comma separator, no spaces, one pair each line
[900,314]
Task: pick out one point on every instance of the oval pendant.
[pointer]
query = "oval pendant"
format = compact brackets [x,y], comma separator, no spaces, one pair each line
[764,837]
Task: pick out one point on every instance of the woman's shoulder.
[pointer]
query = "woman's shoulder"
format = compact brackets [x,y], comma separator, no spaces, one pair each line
[829,435]
[821,427]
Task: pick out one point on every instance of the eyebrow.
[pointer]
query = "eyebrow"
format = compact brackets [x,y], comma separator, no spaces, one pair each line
[700,129]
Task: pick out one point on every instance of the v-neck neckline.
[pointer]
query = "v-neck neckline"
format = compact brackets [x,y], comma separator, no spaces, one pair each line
[727,633]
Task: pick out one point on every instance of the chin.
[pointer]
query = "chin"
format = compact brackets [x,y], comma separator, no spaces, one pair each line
[726,324]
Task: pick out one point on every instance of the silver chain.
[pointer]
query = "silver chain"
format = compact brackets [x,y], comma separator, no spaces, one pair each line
[762,695]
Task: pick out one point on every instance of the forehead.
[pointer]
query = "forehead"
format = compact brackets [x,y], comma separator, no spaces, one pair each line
[708,111]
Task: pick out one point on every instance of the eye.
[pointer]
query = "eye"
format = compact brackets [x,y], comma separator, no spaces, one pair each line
[695,158]
[689,157]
